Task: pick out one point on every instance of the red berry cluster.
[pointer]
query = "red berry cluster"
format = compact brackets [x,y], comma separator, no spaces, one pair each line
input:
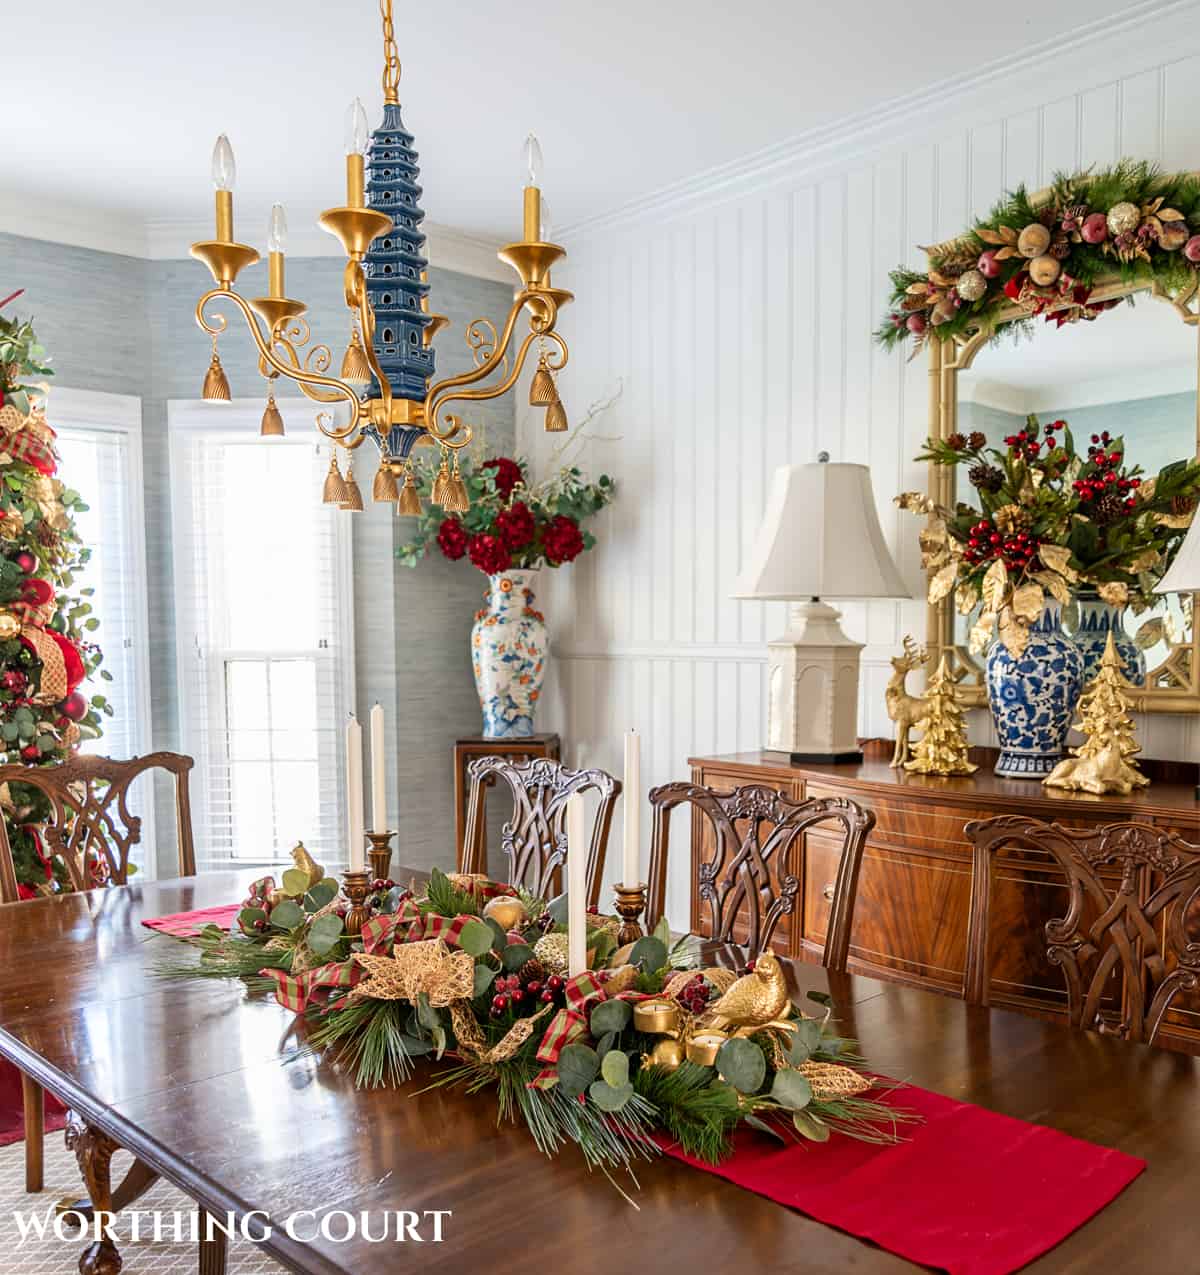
[511,993]
[1026,443]
[694,995]
[1105,476]
[380,884]
[986,541]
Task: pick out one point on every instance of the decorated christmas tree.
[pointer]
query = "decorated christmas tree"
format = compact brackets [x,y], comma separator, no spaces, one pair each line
[45,652]
[1103,763]
[942,749]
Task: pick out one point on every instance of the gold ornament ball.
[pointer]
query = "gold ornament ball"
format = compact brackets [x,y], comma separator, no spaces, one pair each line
[667,1054]
[1044,270]
[551,950]
[1123,219]
[971,285]
[1174,235]
[10,626]
[1033,240]
[507,911]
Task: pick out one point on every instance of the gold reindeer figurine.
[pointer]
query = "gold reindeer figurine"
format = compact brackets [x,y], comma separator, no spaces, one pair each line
[909,712]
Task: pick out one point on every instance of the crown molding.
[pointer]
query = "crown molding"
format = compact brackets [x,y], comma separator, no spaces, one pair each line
[1153,29]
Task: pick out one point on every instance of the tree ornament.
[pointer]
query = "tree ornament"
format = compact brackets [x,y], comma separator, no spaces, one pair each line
[551,950]
[1173,235]
[1103,763]
[1123,218]
[26,561]
[1033,240]
[75,706]
[10,626]
[971,285]
[1191,249]
[506,910]
[942,749]
[1095,228]
[1044,270]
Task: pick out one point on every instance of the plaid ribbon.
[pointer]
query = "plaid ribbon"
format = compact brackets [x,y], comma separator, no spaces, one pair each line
[431,926]
[568,1026]
[379,932]
[316,986]
[27,447]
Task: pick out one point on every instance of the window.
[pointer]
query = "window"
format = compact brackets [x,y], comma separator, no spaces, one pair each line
[100,450]
[265,642]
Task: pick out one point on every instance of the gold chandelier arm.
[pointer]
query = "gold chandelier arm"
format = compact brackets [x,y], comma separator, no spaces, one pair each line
[357,299]
[438,392]
[446,395]
[293,371]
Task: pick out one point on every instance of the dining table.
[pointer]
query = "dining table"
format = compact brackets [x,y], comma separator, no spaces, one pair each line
[211,1085]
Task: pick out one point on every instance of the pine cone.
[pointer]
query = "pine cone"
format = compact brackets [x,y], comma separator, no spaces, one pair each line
[533,969]
[1108,506]
[1181,505]
[986,477]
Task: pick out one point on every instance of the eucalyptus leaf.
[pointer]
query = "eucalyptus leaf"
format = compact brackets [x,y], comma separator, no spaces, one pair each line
[484,975]
[415,1046]
[578,1066]
[765,1126]
[821,998]
[515,955]
[609,1098]
[805,1039]
[790,1089]
[743,1064]
[662,931]
[605,1043]
[610,1016]
[614,1067]
[295,881]
[427,1016]
[602,945]
[557,907]
[499,934]
[325,933]
[438,1033]
[810,1126]
[286,915]
[650,953]
[247,917]
[320,895]
[476,938]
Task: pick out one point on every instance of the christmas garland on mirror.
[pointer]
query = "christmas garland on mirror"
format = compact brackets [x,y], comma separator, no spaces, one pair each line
[639,1050]
[1046,252]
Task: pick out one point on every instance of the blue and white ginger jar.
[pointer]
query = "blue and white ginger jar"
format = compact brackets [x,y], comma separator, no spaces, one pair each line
[1096,621]
[509,646]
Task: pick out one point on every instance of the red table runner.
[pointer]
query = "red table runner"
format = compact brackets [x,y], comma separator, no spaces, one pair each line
[968,1191]
[186,925]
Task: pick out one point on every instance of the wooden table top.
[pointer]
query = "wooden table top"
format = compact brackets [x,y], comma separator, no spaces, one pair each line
[207,1084]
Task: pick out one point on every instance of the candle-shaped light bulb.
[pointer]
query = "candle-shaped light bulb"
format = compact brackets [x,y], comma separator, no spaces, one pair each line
[532,210]
[357,132]
[224,170]
[532,155]
[277,229]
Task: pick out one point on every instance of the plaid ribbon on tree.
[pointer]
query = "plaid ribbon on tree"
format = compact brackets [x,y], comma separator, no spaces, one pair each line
[296,991]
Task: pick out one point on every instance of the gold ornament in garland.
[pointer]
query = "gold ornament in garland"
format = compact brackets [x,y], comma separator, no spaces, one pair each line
[1104,763]
[942,750]
[1123,218]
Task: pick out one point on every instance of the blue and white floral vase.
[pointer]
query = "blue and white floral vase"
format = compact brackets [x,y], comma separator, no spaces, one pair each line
[1096,621]
[509,646]
[1033,698]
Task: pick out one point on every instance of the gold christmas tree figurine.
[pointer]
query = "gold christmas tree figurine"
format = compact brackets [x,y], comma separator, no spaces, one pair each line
[1103,763]
[942,749]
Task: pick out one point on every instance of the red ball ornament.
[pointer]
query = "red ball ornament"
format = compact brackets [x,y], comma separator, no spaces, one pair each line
[916,322]
[1094,228]
[26,561]
[1191,249]
[75,706]
[31,752]
[989,264]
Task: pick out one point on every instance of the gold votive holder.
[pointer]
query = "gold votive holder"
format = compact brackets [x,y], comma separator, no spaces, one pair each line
[356,886]
[631,903]
[704,1047]
[656,1016]
[380,855]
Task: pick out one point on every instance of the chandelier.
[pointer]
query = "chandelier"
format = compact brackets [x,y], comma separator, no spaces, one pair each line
[387,374]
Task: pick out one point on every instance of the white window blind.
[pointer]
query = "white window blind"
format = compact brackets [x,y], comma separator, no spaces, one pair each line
[263,606]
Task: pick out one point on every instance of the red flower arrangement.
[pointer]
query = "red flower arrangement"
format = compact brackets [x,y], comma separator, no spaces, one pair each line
[508,474]
[562,541]
[452,539]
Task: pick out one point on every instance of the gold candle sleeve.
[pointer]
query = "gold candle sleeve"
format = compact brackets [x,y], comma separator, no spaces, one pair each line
[354,181]
[533,214]
[225,216]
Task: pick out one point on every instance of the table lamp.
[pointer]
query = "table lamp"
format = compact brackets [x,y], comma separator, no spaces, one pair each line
[1183,575]
[820,539]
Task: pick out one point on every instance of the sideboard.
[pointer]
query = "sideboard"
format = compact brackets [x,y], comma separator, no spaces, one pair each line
[910,918]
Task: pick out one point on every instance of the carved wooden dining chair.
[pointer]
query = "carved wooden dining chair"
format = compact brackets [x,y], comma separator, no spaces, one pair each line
[90,829]
[1132,926]
[534,840]
[751,870]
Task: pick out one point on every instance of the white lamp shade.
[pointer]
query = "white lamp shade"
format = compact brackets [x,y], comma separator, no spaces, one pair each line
[820,538]
[1184,573]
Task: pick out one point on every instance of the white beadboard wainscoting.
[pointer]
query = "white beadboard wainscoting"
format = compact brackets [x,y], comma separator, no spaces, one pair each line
[736,317]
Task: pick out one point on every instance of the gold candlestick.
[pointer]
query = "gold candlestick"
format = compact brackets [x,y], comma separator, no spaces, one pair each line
[356,886]
[380,855]
[631,903]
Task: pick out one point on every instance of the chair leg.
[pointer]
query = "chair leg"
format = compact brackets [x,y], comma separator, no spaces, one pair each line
[213,1252]
[35,1133]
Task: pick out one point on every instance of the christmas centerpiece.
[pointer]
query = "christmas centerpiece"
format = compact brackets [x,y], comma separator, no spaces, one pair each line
[512,527]
[1045,254]
[46,653]
[1048,522]
[633,1048]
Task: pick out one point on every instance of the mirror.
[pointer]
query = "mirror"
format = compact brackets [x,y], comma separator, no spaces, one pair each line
[1131,372]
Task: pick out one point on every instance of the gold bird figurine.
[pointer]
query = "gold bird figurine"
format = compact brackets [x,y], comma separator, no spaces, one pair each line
[757,999]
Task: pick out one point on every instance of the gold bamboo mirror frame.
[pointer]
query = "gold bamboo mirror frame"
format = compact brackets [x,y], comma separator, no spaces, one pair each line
[1172,682]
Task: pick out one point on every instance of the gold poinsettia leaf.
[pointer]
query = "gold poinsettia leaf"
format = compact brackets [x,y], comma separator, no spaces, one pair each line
[933,537]
[1176,522]
[1150,633]
[1003,254]
[1027,602]
[991,236]
[916,502]
[1013,632]
[966,598]
[1055,585]
[981,633]
[942,582]
[1114,592]
[995,586]
[1058,558]
[917,289]
[1144,561]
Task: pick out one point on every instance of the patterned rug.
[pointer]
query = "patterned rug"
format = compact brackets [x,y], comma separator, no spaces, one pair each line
[49,1256]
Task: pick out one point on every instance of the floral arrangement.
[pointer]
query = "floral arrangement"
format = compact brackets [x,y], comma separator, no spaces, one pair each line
[475,972]
[1045,254]
[510,522]
[46,652]
[1048,520]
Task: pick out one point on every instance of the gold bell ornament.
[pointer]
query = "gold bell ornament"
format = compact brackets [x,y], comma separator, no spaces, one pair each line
[384,489]
[272,420]
[355,368]
[216,383]
[541,389]
[334,492]
[457,501]
[353,501]
[556,417]
[409,504]
[441,483]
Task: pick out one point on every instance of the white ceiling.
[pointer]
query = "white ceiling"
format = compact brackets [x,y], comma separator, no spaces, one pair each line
[111,109]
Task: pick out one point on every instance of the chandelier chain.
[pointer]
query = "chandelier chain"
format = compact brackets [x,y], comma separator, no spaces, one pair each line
[391,56]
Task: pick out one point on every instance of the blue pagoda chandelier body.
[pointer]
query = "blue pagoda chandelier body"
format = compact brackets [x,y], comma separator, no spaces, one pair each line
[387,374]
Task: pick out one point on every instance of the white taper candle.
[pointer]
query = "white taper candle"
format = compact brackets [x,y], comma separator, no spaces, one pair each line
[576,888]
[379,819]
[354,795]
[632,794]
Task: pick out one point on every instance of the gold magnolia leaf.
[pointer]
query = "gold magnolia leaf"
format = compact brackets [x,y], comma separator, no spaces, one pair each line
[1169,214]
[981,633]
[1144,561]
[1114,592]
[991,236]
[1177,522]
[1003,254]
[1055,585]
[1150,634]
[942,582]
[1013,633]
[1058,558]
[932,537]
[995,586]
[1028,601]
[1147,489]
[917,289]
[916,502]
[966,598]
[941,280]
[1009,235]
